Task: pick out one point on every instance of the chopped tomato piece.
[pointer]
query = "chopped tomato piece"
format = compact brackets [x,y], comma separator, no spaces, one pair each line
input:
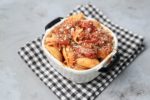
[63,42]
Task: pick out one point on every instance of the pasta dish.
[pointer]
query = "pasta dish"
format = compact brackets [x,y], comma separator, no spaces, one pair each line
[79,42]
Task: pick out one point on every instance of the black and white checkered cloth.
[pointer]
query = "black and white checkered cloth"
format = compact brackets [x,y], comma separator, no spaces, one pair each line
[130,45]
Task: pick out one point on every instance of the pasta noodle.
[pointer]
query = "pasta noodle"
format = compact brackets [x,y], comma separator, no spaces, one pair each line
[87,62]
[55,52]
[103,52]
[75,18]
[68,55]
[96,23]
[79,43]
[77,67]
[76,34]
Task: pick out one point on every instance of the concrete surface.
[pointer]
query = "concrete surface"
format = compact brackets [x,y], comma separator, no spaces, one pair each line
[23,20]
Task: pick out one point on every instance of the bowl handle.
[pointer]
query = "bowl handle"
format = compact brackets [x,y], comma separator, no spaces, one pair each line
[53,22]
[112,64]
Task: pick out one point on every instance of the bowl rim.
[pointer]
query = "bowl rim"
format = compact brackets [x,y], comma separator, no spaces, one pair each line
[95,68]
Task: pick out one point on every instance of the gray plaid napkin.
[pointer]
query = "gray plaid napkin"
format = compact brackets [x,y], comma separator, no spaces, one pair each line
[130,45]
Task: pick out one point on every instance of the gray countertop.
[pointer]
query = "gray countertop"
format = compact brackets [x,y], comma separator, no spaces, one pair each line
[24,20]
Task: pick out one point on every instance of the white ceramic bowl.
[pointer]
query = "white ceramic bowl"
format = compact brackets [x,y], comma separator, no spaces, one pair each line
[78,76]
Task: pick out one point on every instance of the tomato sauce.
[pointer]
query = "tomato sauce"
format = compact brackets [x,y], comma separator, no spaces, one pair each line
[91,42]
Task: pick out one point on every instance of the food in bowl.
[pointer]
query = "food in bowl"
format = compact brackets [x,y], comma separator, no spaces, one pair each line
[79,42]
